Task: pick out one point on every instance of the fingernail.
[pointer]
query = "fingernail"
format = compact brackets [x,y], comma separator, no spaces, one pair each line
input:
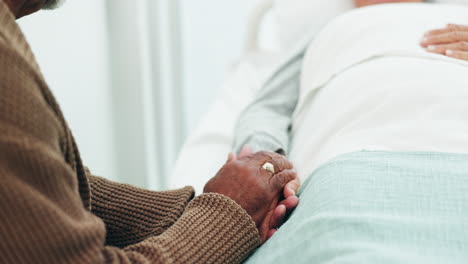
[449,52]
[431,47]
[424,39]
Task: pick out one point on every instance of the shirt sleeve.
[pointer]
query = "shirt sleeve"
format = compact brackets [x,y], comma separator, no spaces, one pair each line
[42,220]
[266,123]
[42,216]
[133,214]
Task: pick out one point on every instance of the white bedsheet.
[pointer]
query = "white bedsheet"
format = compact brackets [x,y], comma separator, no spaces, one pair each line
[332,116]
[371,86]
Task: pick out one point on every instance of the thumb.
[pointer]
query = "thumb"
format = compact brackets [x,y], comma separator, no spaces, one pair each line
[231,157]
[280,180]
[292,187]
[246,150]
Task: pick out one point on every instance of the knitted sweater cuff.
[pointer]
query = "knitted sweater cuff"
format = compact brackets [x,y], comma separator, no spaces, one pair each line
[213,229]
[132,214]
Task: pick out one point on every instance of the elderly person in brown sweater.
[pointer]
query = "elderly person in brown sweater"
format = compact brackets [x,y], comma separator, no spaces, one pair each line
[53,211]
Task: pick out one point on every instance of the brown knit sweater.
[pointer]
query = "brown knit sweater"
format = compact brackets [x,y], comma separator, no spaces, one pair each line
[53,211]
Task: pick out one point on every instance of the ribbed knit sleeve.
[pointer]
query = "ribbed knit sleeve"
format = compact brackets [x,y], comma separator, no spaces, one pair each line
[45,210]
[132,214]
[213,229]
[42,215]
[42,219]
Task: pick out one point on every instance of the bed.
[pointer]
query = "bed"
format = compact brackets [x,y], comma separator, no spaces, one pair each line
[359,204]
[206,148]
[212,140]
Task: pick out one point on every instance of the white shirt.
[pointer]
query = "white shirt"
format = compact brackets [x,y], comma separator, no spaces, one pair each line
[368,85]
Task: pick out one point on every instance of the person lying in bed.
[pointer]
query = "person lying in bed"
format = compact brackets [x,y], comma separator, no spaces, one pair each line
[279,96]
[403,199]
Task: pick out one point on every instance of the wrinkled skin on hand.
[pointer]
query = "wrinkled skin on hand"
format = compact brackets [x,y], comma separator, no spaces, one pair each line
[451,41]
[255,189]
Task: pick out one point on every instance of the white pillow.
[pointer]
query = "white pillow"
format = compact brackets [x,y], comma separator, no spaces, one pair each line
[295,18]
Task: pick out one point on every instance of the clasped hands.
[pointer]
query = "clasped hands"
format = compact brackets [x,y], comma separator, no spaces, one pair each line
[266,196]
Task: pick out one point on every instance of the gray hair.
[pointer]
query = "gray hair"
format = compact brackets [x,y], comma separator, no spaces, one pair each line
[52,4]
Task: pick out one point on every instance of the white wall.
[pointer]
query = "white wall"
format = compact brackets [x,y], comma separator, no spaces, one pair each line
[119,73]
[71,47]
[132,93]
[169,59]
[213,35]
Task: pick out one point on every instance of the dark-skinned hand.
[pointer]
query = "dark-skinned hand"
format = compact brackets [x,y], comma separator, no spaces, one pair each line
[255,189]
[288,203]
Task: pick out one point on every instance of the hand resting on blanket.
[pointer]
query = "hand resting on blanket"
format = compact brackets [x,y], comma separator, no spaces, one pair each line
[451,41]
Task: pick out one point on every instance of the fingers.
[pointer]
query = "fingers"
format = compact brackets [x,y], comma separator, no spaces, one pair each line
[462,55]
[271,232]
[437,31]
[231,157]
[457,27]
[445,38]
[292,187]
[442,49]
[290,203]
[281,164]
[278,216]
[450,34]
[260,157]
[449,28]
[451,41]
[281,210]
[457,50]
[278,161]
[264,156]
[276,220]
[246,151]
[279,180]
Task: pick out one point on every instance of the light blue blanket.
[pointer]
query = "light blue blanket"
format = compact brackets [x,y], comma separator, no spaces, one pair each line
[378,207]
